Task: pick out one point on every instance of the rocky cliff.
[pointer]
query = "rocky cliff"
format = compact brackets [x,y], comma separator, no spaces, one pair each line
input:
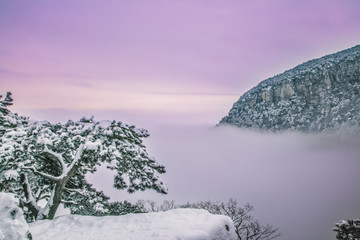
[317,95]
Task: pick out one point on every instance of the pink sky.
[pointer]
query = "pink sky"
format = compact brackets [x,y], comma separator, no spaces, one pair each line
[190,60]
[170,62]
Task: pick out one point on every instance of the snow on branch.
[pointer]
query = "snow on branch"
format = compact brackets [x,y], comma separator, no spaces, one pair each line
[70,190]
[64,152]
[58,156]
[69,202]
[77,158]
[45,175]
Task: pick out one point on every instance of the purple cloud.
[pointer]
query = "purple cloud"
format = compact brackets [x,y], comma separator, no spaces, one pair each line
[168,46]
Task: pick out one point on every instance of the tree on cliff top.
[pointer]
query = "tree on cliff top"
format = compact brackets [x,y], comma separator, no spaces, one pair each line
[43,161]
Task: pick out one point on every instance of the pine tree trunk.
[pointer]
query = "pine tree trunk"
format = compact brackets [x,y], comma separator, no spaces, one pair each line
[59,188]
[34,211]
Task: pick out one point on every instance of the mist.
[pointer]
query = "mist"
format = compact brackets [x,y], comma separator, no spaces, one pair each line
[300,183]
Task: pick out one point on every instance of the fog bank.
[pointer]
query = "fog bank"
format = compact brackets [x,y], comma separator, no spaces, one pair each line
[300,183]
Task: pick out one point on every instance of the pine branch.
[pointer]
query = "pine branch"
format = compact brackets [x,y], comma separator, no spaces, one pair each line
[71,168]
[40,193]
[45,175]
[70,190]
[58,156]
[44,212]
[69,202]
[30,200]
[89,169]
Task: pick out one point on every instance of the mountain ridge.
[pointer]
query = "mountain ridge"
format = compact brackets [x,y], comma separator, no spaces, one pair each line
[316,95]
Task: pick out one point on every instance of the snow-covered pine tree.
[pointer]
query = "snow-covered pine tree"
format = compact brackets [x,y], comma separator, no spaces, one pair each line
[45,161]
[12,124]
[5,103]
[5,120]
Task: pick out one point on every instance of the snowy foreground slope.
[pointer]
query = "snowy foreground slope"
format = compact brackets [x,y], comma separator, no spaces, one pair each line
[179,224]
[12,222]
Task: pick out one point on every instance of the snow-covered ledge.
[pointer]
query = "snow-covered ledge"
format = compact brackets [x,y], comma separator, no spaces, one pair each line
[12,222]
[184,224]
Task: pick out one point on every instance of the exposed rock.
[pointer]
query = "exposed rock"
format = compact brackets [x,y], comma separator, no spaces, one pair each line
[318,95]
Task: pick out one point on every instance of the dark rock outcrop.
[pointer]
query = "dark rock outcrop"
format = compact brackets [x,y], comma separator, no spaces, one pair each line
[317,95]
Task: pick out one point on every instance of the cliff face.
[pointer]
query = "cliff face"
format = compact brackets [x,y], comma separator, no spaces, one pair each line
[317,95]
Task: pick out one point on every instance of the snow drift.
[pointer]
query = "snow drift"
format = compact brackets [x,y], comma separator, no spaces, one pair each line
[12,223]
[184,224]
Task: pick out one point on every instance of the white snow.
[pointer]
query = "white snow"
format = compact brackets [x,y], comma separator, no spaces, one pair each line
[44,141]
[10,119]
[11,174]
[178,224]
[12,223]
[92,145]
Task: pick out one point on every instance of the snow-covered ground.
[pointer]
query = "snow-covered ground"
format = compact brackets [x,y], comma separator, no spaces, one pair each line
[12,222]
[178,224]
